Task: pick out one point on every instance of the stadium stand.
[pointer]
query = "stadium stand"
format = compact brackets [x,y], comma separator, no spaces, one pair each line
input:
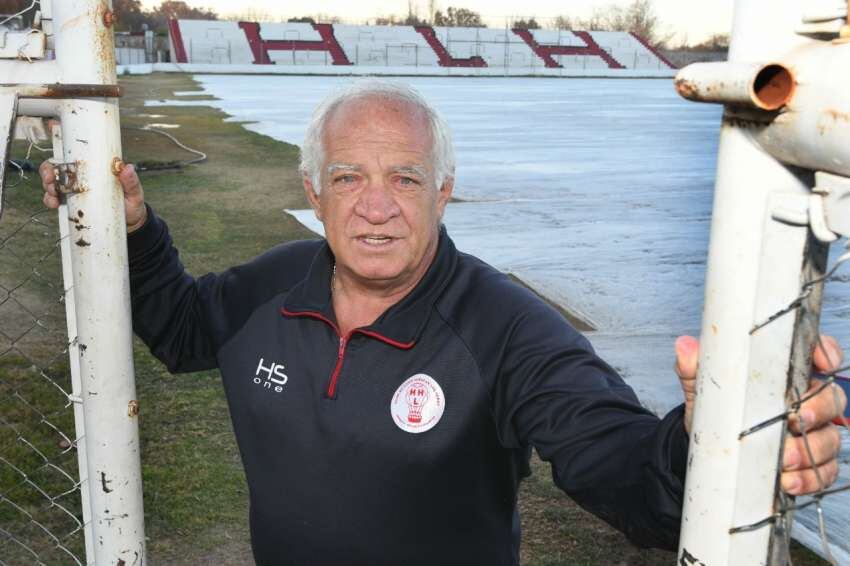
[410,50]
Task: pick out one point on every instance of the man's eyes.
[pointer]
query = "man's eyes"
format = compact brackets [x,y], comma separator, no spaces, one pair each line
[408,182]
[403,181]
[345,179]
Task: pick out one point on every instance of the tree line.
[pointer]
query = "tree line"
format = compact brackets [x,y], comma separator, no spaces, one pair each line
[130,14]
[639,17]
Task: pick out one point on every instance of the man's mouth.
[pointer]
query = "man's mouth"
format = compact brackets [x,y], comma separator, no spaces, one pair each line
[376,239]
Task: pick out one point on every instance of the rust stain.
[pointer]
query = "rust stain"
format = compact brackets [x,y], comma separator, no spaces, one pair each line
[109,18]
[104,42]
[105,483]
[837,115]
[82,91]
[133,408]
[714,329]
[117,166]
[687,89]
[830,118]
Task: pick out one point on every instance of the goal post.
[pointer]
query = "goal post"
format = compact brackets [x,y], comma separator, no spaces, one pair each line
[780,200]
[77,89]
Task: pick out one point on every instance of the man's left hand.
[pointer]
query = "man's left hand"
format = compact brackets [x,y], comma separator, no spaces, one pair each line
[815,416]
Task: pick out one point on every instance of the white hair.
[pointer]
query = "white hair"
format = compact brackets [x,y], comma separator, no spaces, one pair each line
[313,151]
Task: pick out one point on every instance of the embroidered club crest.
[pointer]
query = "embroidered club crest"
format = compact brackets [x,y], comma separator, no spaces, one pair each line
[418,404]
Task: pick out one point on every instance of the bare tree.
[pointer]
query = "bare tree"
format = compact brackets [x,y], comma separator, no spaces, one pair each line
[639,17]
[178,9]
[458,17]
[326,18]
[522,23]
[413,18]
[432,10]
[717,42]
[391,20]
[562,22]
[252,14]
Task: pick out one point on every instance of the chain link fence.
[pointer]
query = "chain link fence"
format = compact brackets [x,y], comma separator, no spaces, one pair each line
[786,512]
[40,497]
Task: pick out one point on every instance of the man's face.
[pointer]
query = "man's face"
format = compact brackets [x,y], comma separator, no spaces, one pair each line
[379,204]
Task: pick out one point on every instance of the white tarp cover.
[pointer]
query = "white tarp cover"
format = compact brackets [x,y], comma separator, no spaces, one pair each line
[598,193]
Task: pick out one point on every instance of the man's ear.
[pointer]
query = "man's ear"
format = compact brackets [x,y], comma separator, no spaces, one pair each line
[312,196]
[444,195]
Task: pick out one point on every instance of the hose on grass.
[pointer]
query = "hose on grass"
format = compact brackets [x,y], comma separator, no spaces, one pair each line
[162,165]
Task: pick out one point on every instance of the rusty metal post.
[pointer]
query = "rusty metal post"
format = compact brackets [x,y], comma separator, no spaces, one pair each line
[785,96]
[91,139]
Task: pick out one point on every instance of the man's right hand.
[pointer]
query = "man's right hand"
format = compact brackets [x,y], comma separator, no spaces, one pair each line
[134,198]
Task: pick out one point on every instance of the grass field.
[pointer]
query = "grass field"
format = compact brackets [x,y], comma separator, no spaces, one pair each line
[220,213]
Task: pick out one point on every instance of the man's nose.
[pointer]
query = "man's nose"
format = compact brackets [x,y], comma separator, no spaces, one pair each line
[377,203]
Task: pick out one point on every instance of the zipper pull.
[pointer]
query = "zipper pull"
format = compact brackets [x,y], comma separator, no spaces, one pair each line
[341,348]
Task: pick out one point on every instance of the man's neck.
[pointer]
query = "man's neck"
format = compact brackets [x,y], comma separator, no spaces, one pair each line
[354,309]
[360,303]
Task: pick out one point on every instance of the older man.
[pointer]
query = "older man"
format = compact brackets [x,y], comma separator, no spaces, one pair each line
[386,389]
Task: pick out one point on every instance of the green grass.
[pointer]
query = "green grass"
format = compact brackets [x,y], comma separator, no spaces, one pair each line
[221,212]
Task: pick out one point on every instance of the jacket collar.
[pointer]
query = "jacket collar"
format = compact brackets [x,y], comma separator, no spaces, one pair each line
[401,324]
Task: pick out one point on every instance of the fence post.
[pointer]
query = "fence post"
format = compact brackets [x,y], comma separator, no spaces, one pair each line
[85,55]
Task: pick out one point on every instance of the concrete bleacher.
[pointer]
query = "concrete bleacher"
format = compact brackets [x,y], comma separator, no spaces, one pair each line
[411,50]
[385,46]
[498,47]
[213,42]
[629,50]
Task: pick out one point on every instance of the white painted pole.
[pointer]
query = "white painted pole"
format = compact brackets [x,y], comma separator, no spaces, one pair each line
[754,271]
[74,358]
[91,137]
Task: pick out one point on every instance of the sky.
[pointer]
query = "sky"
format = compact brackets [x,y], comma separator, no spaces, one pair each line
[692,20]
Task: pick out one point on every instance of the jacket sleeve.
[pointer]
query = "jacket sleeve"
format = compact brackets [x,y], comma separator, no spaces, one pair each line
[549,390]
[183,320]
[611,455]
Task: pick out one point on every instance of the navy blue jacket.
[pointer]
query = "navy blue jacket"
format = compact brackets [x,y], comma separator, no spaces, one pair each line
[336,476]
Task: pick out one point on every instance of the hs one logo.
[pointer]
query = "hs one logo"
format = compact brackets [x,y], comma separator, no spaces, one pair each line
[271,376]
